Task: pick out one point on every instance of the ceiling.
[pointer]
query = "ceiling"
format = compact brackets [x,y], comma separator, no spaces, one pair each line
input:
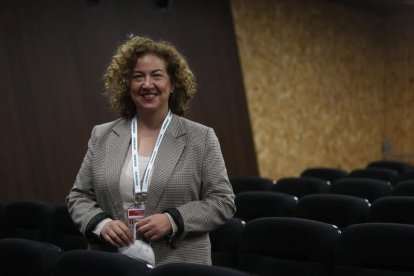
[381,6]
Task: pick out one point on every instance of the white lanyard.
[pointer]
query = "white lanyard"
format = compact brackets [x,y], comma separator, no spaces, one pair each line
[135,161]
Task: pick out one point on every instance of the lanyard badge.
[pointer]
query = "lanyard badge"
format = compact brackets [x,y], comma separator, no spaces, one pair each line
[140,192]
[134,212]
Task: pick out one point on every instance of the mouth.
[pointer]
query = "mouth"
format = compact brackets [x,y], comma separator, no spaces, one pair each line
[149,96]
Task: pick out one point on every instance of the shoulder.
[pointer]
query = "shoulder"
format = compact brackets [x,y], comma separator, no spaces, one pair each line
[193,126]
[109,125]
[103,130]
[194,132]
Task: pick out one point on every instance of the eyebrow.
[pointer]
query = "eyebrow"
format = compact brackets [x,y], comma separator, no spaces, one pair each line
[154,71]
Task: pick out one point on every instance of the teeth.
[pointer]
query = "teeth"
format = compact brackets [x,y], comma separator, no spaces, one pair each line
[149,96]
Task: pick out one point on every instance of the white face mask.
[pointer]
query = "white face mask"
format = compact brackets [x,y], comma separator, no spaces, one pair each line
[140,250]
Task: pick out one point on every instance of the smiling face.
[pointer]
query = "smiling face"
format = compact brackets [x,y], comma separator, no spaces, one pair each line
[150,85]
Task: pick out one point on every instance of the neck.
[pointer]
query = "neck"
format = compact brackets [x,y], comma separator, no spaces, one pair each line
[151,120]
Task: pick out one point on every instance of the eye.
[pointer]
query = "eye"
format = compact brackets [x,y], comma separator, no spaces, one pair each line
[138,77]
[157,75]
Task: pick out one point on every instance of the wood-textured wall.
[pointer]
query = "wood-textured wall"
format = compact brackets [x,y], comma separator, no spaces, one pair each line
[319,79]
[399,88]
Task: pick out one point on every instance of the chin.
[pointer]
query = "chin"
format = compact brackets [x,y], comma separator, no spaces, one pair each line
[150,107]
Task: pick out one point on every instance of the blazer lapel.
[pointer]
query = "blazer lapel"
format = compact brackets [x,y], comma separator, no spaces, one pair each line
[116,151]
[172,146]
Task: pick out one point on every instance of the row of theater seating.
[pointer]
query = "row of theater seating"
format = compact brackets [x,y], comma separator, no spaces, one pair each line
[264,246]
[391,172]
[39,221]
[336,209]
[368,188]
[28,257]
[35,236]
[295,246]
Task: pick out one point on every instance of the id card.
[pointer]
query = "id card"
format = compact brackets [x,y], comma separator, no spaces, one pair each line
[135,212]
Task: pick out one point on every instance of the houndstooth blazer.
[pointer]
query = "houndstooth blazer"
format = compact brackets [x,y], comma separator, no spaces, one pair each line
[189,174]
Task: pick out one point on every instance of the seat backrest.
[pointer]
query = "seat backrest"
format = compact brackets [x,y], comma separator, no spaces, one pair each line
[27,257]
[256,204]
[28,219]
[225,242]
[399,166]
[375,249]
[370,189]
[250,183]
[408,175]
[404,188]
[336,209]
[395,209]
[301,186]
[63,232]
[327,173]
[287,246]
[102,263]
[189,269]
[384,174]
[3,204]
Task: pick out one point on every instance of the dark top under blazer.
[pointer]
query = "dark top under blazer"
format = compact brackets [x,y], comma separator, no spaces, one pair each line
[189,175]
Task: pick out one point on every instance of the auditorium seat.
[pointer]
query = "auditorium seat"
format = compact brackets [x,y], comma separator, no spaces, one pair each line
[375,249]
[383,174]
[404,188]
[399,166]
[287,247]
[370,189]
[225,242]
[336,209]
[250,183]
[327,173]
[394,209]
[27,257]
[256,204]
[2,206]
[189,269]
[408,175]
[27,219]
[63,232]
[94,262]
[301,186]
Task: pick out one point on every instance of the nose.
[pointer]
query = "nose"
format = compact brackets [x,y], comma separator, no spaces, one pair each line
[148,83]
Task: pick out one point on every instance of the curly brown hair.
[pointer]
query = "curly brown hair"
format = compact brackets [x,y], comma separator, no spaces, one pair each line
[118,75]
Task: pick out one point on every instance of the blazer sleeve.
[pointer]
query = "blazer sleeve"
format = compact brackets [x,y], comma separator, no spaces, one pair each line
[81,201]
[216,204]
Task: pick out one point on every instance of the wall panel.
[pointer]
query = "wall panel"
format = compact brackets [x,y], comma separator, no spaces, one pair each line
[399,88]
[314,73]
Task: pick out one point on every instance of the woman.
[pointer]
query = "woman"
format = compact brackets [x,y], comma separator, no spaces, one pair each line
[151,161]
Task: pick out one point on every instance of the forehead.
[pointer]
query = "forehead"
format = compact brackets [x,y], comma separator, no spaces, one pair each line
[150,61]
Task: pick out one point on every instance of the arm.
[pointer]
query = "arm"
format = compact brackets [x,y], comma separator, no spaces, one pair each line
[216,203]
[212,206]
[81,200]
[83,205]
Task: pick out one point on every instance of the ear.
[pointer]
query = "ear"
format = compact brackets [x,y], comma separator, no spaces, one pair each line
[172,87]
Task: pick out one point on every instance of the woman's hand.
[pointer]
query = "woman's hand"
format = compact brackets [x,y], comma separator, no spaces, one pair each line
[154,227]
[117,233]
